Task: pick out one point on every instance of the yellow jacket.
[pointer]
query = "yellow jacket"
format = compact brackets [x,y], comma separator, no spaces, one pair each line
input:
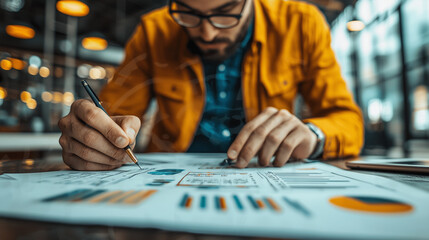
[290,53]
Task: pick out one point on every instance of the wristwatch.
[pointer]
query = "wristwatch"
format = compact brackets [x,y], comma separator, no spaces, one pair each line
[318,150]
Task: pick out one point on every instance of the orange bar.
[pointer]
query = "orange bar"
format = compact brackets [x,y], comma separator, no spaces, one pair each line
[188,202]
[100,198]
[133,197]
[222,203]
[117,199]
[260,203]
[274,205]
[138,197]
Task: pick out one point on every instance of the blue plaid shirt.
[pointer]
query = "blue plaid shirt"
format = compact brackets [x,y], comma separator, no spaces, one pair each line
[223,115]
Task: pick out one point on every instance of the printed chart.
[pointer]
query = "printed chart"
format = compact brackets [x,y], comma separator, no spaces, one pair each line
[223,203]
[299,200]
[310,179]
[219,179]
[102,196]
[371,204]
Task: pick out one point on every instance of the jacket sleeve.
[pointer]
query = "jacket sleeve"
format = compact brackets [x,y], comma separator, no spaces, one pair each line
[324,90]
[129,92]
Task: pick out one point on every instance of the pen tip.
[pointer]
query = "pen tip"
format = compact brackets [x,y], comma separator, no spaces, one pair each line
[139,166]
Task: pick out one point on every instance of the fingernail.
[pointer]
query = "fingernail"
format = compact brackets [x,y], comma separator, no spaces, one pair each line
[233,154]
[131,133]
[121,141]
[240,162]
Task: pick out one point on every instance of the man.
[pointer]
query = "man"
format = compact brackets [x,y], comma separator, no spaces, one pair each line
[225,75]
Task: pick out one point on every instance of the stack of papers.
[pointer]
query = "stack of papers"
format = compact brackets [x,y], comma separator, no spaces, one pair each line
[191,192]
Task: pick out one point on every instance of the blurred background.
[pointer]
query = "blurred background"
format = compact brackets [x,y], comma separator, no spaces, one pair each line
[48,46]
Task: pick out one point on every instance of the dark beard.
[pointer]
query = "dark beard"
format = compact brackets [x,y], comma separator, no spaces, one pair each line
[214,55]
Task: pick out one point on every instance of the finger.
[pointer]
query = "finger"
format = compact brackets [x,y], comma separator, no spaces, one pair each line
[244,134]
[77,163]
[92,155]
[93,139]
[130,124]
[286,148]
[273,141]
[87,112]
[304,149]
[258,136]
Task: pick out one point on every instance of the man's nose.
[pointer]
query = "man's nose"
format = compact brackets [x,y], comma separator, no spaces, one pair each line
[208,32]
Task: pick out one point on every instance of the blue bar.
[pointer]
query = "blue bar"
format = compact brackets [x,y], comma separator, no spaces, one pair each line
[217,202]
[184,199]
[203,202]
[297,206]
[66,196]
[238,202]
[268,204]
[89,195]
[253,202]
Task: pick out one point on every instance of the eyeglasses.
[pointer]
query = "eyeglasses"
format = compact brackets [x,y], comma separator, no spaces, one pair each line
[191,19]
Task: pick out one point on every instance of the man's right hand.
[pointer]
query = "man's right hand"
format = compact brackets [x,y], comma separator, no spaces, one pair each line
[91,140]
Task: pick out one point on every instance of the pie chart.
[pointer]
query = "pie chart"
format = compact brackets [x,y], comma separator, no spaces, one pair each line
[371,204]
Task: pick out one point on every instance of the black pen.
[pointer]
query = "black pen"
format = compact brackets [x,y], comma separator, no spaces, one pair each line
[226,161]
[97,103]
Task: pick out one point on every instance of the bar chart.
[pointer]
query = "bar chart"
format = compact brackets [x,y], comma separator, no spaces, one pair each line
[310,179]
[100,196]
[218,180]
[231,202]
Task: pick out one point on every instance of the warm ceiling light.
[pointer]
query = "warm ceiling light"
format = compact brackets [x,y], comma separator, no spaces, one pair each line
[29,162]
[57,97]
[355,26]
[44,72]
[47,96]
[31,104]
[25,96]
[20,31]
[68,98]
[73,8]
[97,73]
[3,93]
[33,70]
[94,43]
[6,64]
[18,64]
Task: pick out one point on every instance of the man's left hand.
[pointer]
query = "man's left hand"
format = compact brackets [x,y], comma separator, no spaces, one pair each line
[272,133]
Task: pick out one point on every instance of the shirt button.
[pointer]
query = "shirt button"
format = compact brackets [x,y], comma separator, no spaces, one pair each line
[221,68]
[222,94]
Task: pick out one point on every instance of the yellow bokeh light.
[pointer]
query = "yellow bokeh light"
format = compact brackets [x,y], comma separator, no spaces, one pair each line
[68,98]
[44,72]
[29,162]
[97,73]
[57,97]
[18,64]
[31,103]
[47,96]
[6,64]
[33,70]
[3,93]
[20,31]
[355,26]
[25,96]
[94,43]
[73,8]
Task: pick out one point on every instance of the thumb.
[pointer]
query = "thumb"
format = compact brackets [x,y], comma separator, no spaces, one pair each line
[130,124]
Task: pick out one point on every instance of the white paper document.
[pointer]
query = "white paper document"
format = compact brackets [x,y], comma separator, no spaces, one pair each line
[192,192]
